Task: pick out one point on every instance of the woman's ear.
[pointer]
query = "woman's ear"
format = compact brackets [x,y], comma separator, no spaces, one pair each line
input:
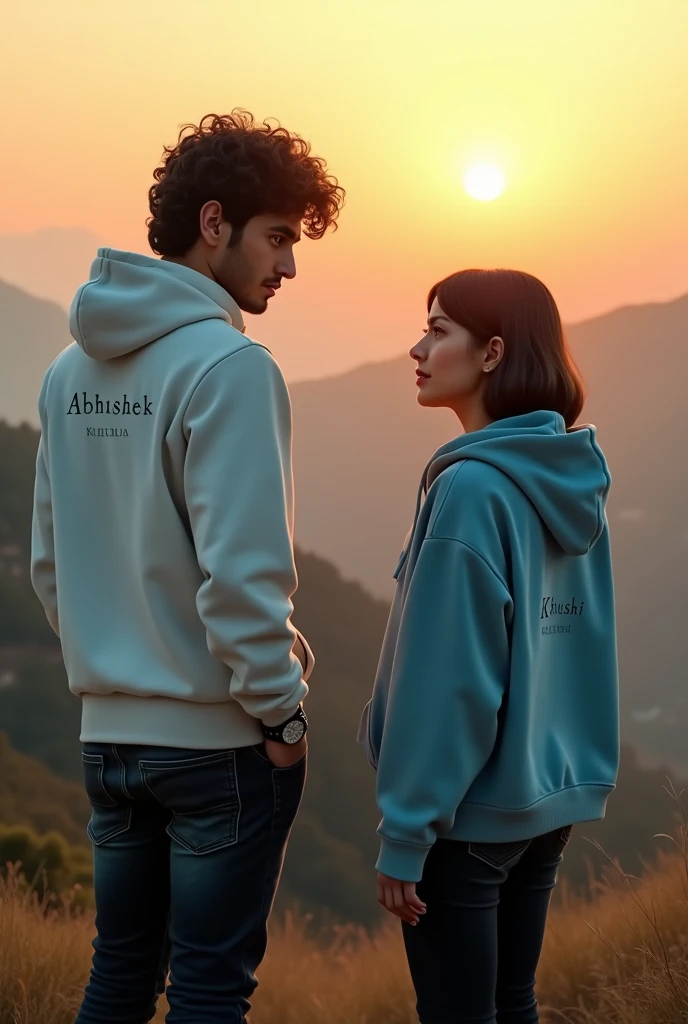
[494,353]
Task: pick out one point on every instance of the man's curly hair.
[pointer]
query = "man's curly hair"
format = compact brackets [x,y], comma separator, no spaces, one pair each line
[249,168]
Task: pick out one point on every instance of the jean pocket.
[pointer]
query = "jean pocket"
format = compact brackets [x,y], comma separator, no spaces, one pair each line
[258,749]
[499,855]
[203,796]
[108,818]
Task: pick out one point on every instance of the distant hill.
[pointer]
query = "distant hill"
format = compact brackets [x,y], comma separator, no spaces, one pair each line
[30,794]
[32,333]
[361,442]
[50,263]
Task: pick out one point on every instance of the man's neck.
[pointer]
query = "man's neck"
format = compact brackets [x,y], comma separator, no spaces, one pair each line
[194,262]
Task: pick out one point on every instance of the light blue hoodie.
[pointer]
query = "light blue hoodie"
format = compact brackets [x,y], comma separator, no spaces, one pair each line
[163,514]
[494,714]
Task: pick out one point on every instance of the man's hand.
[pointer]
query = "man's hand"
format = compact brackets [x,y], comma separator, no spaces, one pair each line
[399,898]
[300,651]
[283,755]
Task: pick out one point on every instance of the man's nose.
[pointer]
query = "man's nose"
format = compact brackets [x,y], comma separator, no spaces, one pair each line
[287,267]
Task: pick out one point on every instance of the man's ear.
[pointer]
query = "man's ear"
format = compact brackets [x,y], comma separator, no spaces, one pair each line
[212,224]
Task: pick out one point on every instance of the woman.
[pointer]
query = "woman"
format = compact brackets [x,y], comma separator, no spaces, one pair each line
[493,724]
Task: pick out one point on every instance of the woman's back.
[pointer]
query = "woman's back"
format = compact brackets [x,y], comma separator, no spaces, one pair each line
[507,580]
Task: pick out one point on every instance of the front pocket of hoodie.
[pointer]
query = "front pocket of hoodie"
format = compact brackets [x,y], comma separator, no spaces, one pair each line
[108,818]
[499,855]
[203,795]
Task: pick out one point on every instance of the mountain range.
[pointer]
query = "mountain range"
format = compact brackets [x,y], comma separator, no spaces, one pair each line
[361,441]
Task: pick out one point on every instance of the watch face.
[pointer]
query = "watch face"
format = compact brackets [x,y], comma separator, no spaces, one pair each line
[293,732]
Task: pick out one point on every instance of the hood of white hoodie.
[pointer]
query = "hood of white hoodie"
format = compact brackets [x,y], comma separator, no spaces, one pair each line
[132,300]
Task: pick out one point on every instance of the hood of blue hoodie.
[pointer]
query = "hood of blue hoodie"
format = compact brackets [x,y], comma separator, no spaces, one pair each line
[132,300]
[561,471]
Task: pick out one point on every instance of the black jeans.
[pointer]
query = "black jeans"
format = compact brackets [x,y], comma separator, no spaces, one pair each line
[474,953]
[188,850]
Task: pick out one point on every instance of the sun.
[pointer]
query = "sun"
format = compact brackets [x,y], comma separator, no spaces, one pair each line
[484,182]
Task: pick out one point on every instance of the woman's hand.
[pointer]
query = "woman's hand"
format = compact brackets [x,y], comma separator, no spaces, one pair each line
[399,898]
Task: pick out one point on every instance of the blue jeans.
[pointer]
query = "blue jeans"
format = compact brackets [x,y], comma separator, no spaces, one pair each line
[188,850]
[474,953]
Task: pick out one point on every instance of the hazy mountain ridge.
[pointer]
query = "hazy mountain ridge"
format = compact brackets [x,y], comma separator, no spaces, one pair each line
[361,441]
[33,332]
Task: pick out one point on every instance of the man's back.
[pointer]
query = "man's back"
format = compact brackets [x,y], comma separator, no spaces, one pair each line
[166,432]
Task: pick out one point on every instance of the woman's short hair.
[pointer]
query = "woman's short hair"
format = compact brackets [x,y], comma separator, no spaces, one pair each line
[537,370]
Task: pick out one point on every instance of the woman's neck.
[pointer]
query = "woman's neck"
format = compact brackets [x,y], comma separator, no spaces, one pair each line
[473,417]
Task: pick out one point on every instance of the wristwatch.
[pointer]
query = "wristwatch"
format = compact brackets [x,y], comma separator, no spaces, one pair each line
[289,732]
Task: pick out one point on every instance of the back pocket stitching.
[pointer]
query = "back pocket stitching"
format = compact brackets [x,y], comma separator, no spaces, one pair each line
[186,762]
[99,760]
[116,831]
[473,851]
[234,807]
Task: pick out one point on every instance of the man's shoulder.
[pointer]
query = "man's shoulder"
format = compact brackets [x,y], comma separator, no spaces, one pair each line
[216,341]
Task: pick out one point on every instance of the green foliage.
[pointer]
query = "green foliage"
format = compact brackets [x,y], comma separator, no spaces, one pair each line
[30,794]
[41,716]
[22,619]
[48,865]
[18,447]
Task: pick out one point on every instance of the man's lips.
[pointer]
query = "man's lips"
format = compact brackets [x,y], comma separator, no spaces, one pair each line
[272,288]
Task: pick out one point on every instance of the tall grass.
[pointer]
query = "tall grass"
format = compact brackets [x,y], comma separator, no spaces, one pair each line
[620,957]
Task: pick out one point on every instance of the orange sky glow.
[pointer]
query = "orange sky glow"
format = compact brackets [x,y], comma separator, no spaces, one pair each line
[583,106]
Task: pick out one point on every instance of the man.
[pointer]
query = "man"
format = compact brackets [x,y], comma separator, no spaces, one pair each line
[163,555]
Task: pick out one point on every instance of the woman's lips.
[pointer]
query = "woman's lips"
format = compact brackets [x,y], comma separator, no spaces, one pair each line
[421,377]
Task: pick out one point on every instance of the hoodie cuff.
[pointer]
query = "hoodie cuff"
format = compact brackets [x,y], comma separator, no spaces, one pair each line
[310,657]
[402,861]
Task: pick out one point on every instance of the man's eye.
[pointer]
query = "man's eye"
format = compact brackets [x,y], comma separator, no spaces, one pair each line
[277,240]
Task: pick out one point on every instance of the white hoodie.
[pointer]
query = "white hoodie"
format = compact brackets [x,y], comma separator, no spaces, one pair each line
[163,517]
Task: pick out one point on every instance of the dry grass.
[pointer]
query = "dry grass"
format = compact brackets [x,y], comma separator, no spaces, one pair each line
[621,958]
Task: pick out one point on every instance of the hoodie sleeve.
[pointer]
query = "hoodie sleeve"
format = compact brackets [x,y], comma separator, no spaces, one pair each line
[448,679]
[43,577]
[239,492]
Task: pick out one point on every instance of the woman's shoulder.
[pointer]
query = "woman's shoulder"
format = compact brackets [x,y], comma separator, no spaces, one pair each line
[477,478]
[472,493]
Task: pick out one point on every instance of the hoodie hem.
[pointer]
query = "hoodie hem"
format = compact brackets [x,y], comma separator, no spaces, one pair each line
[479,823]
[166,722]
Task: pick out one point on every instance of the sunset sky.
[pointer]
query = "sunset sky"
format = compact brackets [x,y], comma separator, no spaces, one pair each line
[583,105]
